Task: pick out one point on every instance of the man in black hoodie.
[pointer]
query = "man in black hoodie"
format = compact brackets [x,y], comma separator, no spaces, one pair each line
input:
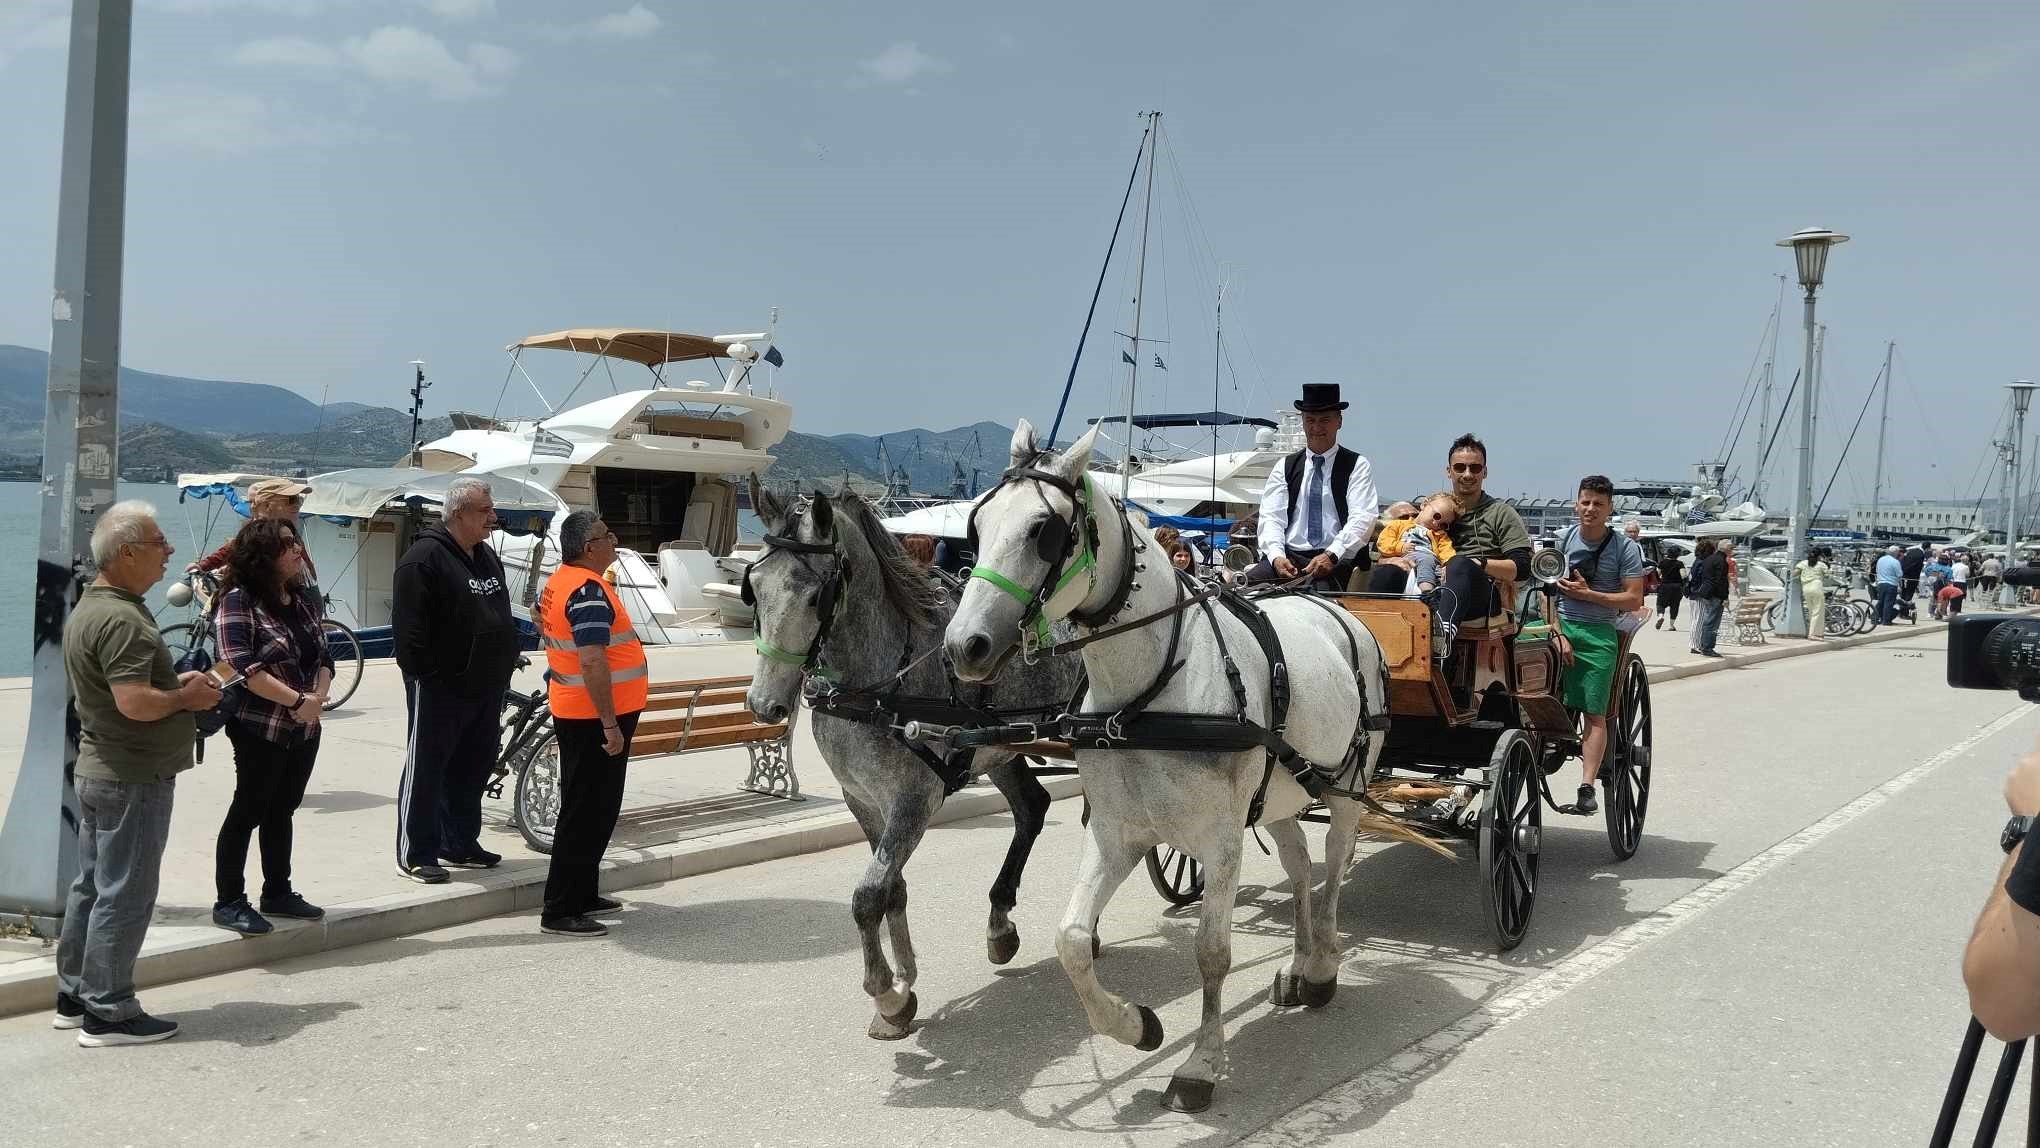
[457,646]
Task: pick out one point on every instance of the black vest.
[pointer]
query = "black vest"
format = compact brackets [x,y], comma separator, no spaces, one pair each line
[1343,461]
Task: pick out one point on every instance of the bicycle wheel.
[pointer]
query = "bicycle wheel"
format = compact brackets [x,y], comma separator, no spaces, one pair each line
[536,806]
[180,638]
[1773,614]
[1866,617]
[347,662]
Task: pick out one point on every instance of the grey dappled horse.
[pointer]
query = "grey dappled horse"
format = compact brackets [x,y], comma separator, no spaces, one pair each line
[884,612]
[1194,801]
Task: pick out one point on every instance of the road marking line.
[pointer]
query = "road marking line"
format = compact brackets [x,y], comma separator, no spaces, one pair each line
[1311,1122]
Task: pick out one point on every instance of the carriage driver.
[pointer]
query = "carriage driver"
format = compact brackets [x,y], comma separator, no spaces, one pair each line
[1318,508]
[1602,583]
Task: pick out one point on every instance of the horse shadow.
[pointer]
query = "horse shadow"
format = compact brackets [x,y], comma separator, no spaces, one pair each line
[256,1024]
[767,930]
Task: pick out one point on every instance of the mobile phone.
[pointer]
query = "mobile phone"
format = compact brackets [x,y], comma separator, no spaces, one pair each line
[223,674]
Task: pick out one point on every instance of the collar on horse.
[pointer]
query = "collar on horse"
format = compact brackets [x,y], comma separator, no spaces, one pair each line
[1069,546]
[825,604]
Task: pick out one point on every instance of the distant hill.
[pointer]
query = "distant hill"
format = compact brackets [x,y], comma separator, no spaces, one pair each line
[202,424]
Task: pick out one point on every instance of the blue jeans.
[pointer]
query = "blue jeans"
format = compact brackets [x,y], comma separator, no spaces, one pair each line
[1708,627]
[1887,603]
[122,830]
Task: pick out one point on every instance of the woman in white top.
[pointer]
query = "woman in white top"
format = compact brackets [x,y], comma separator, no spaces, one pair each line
[1812,571]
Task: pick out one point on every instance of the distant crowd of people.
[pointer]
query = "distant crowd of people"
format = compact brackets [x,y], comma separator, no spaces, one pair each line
[143,713]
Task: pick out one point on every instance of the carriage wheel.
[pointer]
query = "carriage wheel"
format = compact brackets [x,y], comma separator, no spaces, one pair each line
[1627,787]
[1511,831]
[1177,876]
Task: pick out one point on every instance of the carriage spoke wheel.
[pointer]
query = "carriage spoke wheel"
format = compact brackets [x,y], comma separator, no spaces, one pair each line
[1511,832]
[1177,876]
[536,807]
[1628,782]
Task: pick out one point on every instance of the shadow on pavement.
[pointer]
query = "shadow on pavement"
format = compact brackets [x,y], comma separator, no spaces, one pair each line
[768,930]
[253,1024]
[345,801]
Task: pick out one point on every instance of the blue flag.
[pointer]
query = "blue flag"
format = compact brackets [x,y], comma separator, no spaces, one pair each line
[773,356]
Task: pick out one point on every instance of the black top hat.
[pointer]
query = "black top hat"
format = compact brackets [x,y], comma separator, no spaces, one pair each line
[1320,397]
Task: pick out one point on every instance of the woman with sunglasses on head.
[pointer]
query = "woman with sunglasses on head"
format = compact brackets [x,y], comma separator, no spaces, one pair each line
[270,634]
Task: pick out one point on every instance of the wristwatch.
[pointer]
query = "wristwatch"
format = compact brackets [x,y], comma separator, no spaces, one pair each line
[2015,832]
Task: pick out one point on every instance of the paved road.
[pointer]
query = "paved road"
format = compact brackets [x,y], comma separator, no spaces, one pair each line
[1777,966]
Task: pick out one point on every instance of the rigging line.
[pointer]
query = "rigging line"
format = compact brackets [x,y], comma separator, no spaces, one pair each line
[1243,328]
[1093,310]
[1749,390]
[1784,407]
[1844,457]
[1744,421]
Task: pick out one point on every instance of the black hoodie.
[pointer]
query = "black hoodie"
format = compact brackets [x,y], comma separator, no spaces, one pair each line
[451,616]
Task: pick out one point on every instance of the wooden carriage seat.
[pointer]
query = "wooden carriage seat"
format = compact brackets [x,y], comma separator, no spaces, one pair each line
[1500,625]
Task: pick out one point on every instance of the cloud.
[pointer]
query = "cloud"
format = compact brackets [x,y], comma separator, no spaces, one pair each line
[288,52]
[900,64]
[33,26]
[632,23]
[213,7]
[194,117]
[460,9]
[403,56]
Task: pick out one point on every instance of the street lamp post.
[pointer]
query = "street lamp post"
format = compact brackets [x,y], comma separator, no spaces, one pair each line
[2022,394]
[1810,248]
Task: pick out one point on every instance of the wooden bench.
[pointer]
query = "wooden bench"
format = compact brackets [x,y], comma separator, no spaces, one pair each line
[1749,619]
[710,713]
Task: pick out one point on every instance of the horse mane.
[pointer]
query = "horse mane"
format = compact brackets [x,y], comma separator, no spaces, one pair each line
[907,586]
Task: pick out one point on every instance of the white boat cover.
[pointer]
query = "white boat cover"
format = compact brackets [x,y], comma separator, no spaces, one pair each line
[363,491]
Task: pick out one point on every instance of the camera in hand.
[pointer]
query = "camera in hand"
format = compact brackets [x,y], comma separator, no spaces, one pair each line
[1995,652]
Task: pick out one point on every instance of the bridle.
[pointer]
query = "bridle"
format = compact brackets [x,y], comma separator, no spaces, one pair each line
[825,603]
[1069,547]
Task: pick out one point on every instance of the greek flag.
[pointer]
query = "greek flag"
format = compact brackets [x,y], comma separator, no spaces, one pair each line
[1695,516]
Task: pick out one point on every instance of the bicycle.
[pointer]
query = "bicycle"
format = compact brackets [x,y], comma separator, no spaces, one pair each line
[531,752]
[203,633]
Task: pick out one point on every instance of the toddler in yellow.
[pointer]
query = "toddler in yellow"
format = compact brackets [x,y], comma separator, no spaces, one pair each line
[1424,539]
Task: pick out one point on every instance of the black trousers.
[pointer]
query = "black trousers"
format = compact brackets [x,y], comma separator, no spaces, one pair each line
[1264,570]
[269,782]
[1472,591]
[591,795]
[452,747]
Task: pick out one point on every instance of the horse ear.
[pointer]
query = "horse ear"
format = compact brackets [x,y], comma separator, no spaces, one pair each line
[822,517]
[770,510]
[1023,449]
[1078,457]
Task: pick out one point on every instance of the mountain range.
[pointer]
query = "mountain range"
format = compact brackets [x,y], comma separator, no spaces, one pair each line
[178,424]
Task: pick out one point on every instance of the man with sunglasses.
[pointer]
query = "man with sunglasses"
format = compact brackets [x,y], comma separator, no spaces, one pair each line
[1317,508]
[1492,544]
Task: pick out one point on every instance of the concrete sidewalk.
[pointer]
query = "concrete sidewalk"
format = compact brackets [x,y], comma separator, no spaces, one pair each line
[683,816]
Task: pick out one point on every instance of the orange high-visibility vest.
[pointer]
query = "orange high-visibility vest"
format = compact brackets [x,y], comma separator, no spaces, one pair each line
[567,691]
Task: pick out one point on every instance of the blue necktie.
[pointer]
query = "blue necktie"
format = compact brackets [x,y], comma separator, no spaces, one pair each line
[1314,505]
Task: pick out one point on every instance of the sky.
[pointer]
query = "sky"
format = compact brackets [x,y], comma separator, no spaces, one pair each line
[1550,224]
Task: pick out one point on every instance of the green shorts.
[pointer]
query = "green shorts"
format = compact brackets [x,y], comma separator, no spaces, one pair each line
[1592,672]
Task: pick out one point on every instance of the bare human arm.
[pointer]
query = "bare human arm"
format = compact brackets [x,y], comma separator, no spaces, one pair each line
[2001,966]
[595,676]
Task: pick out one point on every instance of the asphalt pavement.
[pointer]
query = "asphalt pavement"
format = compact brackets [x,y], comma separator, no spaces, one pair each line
[1777,965]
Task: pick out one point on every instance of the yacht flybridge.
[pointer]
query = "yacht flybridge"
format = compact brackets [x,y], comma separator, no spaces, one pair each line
[660,461]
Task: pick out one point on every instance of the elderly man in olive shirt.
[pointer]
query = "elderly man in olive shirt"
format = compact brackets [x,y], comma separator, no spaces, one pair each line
[1492,544]
[135,735]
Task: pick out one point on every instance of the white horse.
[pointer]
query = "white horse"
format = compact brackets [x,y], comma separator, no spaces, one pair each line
[1195,801]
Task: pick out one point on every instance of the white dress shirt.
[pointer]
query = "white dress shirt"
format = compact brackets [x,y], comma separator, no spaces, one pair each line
[1280,528]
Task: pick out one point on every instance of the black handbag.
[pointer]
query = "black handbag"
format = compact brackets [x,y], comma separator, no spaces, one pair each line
[209,722]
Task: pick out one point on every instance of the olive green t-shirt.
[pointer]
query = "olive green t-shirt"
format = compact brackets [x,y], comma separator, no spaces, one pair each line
[111,638]
[1489,529]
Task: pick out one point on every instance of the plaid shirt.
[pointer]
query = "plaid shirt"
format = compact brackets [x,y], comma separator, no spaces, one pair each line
[291,648]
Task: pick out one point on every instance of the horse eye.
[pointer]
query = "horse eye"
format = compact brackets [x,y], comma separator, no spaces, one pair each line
[1034,531]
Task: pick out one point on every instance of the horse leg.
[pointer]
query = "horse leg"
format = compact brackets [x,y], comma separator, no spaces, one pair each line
[1029,802]
[1105,862]
[1191,1087]
[878,890]
[1321,972]
[1294,850]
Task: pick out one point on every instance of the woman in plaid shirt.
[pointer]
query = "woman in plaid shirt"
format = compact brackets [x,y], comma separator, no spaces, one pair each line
[270,633]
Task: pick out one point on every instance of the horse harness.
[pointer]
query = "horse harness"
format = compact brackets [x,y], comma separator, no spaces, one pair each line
[1133,726]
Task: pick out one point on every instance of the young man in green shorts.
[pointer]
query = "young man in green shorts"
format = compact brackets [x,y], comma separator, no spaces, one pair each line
[1604,580]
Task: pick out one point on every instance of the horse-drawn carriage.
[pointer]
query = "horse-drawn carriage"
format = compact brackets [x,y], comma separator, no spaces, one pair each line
[1477,730]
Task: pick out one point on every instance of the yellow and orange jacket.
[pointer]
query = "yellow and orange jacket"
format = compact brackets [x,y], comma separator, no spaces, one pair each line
[1390,544]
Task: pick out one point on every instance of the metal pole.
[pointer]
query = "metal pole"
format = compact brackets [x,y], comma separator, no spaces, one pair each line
[1139,296]
[1764,423]
[39,840]
[1794,625]
[2022,394]
[1883,422]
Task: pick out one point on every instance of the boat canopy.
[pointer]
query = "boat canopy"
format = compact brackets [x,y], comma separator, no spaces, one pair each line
[231,486]
[346,495]
[1234,477]
[650,348]
[1192,419]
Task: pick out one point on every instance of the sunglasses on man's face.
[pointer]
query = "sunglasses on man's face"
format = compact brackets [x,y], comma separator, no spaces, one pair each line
[1468,467]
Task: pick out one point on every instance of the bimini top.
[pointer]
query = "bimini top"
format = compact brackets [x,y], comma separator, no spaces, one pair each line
[648,347]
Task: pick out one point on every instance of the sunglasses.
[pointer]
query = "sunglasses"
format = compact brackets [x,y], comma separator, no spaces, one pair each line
[1468,467]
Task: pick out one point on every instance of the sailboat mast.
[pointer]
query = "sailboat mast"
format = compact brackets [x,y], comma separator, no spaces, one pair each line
[1764,422]
[1883,424]
[1217,352]
[1139,295]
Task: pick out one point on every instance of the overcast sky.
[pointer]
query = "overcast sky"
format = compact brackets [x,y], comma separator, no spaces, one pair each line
[1549,223]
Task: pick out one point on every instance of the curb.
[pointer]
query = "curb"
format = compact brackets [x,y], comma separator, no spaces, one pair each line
[1799,648]
[186,952]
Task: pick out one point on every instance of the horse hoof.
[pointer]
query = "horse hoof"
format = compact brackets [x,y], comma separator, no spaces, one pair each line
[1284,994]
[1187,1095]
[1003,947]
[896,1026]
[1150,1032]
[1317,995]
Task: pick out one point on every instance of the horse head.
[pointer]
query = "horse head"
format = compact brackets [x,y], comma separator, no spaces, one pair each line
[793,587]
